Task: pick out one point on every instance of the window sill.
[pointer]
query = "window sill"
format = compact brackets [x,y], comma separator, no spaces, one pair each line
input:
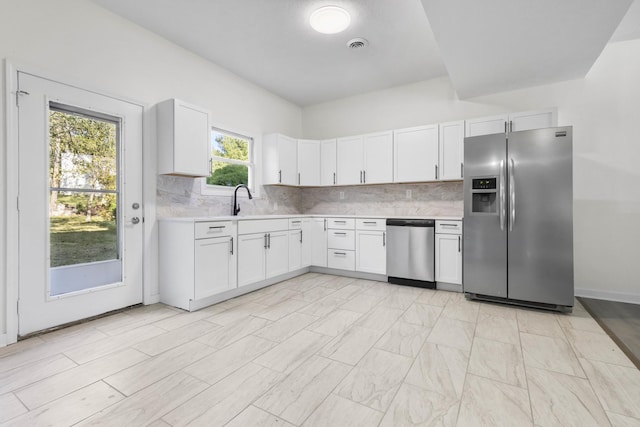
[212,190]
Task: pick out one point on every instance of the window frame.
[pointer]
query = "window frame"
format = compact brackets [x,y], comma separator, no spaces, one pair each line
[221,190]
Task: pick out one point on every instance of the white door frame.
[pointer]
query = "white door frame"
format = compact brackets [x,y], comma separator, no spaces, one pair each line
[10,259]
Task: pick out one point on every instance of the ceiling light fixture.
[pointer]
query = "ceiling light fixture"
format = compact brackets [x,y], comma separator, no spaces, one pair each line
[330,20]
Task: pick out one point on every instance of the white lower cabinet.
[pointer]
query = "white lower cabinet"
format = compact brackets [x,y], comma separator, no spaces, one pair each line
[251,265]
[341,244]
[215,266]
[371,252]
[341,259]
[448,241]
[277,254]
[295,249]
[318,242]
[197,260]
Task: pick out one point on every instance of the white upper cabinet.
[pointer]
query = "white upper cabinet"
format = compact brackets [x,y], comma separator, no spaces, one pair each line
[378,158]
[528,120]
[308,162]
[279,159]
[513,122]
[415,154]
[451,149]
[366,159]
[184,139]
[349,160]
[328,162]
[486,125]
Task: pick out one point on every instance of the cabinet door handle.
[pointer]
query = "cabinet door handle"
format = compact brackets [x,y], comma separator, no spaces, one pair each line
[298,178]
[334,178]
[369,222]
[384,238]
[449,225]
[461,170]
[360,177]
[505,127]
[339,234]
[325,224]
[340,222]
[231,241]
[340,253]
[265,241]
[510,126]
[459,244]
[301,236]
[296,222]
[269,240]
[280,176]
[436,171]
[364,177]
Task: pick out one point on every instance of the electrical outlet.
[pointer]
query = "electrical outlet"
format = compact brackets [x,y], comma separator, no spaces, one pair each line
[409,194]
[275,206]
[342,195]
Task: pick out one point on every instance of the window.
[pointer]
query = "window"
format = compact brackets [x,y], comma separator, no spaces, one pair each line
[231,160]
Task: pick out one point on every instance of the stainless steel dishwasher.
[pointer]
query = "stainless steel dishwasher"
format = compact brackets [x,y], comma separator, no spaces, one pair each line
[411,252]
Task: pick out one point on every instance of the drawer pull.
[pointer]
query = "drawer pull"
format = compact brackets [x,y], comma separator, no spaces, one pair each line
[296,222]
[340,253]
[370,222]
[340,222]
[339,233]
[217,227]
[449,225]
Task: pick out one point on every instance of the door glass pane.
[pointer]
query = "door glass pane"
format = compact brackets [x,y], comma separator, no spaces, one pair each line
[83,200]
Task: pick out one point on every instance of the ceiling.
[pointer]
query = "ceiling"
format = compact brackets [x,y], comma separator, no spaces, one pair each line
[484,46]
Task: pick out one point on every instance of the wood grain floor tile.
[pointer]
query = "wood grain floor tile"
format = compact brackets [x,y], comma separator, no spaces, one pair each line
[220,403]
[375,379]
[66,382]
[422,314]
[617,387]
[254,417]
[338,411]
[223,362]
[414,406]
[291,353]
[33,372]
[380,318]
[286,327]
[298,395]
[175,338]
[498,328]
[405,339]
[150,403]
[335,323]
[145,373]
[221,337]
[10,407]
[491,403]
[563,400]
[350,346]
[72,408]
[497,361]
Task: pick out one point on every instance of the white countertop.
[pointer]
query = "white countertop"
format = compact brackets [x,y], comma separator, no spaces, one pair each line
[250,217]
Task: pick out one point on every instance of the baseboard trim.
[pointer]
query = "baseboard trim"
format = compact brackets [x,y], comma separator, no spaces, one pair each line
[608,295]
[3,340]
[349,273]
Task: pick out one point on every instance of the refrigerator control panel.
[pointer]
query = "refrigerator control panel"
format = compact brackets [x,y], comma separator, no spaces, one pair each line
[483,184]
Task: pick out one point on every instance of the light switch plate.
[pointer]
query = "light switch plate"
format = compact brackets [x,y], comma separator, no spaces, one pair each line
[409,195]
[342,195]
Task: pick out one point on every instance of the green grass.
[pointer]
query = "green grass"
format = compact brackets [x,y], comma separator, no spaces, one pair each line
[75,240]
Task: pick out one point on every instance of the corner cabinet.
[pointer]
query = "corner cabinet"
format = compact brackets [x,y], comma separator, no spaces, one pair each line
[308,162]
[318,242]
[184,139]
[280,160]
[328,162]
[448,242]
[197,261]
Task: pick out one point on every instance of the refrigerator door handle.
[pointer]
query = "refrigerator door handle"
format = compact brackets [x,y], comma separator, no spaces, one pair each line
[503,207]
[512,195]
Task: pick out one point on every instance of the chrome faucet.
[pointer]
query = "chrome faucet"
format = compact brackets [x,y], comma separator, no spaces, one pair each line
[236,205]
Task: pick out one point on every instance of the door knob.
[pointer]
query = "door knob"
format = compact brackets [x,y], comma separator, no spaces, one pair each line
[135,220]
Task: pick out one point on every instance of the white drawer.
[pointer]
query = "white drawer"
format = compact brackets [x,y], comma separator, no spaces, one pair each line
[449,227]
[342,223]
[204,230]
[295,223]
[371,224]
[341,239]
[251,226]
[341,259]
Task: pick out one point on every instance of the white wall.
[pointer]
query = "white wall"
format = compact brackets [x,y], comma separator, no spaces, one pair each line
[604,109]
[81,43]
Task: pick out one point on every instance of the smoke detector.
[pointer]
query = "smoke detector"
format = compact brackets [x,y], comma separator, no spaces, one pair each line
[357,43]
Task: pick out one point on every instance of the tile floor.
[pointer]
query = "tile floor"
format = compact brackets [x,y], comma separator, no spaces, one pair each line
[321,350]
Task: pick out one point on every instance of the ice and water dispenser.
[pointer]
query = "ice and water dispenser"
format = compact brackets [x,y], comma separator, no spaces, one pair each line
[484,194]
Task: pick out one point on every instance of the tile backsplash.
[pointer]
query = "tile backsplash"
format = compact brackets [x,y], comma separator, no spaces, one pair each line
[178,196]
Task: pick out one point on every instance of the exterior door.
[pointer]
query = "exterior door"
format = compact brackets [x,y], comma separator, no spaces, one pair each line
[80,215]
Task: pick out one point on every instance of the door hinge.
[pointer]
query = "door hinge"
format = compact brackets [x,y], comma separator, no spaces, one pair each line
[18,203]
[18,93]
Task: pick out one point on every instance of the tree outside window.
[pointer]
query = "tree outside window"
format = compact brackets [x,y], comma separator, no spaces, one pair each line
[230,159]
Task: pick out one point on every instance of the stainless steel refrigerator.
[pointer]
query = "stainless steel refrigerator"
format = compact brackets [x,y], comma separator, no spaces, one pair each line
[518,217]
